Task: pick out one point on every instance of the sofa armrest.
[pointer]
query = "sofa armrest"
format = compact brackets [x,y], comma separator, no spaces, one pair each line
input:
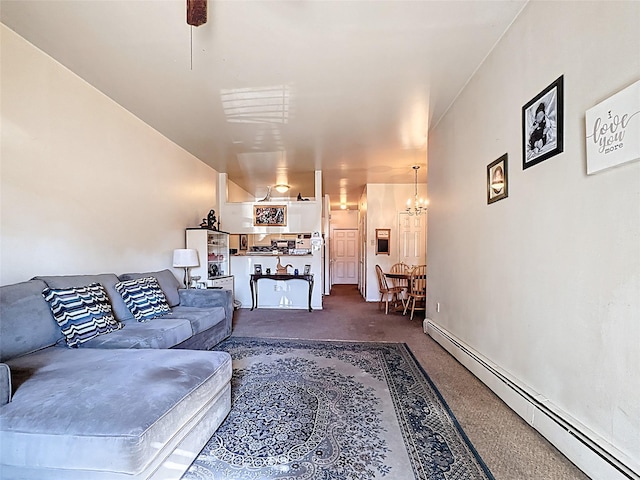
[205,298]
[5,384]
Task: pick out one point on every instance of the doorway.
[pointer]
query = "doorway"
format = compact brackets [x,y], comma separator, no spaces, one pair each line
[344,251]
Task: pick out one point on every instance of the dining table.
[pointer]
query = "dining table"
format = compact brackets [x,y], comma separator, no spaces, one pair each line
[400,276]
[397,275]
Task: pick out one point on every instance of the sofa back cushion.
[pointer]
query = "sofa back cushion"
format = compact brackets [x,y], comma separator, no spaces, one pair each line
[168,283]
[26,323]
[107,280]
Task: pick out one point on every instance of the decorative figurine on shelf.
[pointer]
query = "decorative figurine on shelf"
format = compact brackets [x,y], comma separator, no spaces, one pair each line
[300,199]
[211,220]
[204,223]
[282,270]
[267,197]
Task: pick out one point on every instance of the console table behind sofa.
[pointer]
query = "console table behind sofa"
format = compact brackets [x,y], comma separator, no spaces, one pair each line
[253,283]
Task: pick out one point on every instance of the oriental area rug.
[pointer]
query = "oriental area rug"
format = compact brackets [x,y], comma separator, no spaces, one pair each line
[309,410]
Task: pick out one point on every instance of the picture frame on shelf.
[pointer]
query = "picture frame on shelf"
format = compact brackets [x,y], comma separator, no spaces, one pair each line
[497,179]
[307,270]
[244,241]
[543,125]
[257,269]
[270,216]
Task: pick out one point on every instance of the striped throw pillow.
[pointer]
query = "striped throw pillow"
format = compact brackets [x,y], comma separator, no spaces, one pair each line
[82,312]
[144,298]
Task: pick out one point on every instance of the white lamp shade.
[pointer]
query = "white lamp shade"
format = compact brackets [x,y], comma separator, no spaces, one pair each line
[185,257]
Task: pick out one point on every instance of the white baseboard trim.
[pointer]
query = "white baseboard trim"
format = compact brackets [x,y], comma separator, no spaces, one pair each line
[587,450]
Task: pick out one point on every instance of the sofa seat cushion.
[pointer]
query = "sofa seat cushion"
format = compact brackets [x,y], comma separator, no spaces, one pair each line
[156,333]
[104,410]
[201,319]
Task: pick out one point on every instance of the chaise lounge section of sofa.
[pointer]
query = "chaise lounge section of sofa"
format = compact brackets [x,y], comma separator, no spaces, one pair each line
[138,402]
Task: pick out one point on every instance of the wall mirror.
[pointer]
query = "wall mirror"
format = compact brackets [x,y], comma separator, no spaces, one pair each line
[383,237]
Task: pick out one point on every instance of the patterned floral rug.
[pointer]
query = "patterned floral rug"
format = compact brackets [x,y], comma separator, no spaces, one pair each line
[309,410]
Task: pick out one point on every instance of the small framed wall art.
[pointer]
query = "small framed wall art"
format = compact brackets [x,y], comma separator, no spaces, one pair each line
[383,236]
[613,130]
[497,179]
[271,216]
[244,241]
[542,125]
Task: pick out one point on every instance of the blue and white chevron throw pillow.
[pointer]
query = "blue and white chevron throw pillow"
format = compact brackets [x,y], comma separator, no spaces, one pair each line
[82,312]
[144,298]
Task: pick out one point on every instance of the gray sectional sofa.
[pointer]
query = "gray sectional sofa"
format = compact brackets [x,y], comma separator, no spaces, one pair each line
[138,402]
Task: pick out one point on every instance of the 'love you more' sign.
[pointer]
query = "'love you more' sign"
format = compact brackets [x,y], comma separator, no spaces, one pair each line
[613,130]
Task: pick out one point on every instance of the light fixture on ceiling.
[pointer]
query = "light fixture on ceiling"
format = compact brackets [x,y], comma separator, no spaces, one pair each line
[196,12]
[282,188]
[196,16]
[415,206]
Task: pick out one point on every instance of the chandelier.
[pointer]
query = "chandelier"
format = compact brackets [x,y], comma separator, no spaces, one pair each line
[416,206]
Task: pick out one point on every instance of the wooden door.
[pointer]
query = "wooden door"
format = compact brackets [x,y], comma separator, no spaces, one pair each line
[345,256]
[412,244]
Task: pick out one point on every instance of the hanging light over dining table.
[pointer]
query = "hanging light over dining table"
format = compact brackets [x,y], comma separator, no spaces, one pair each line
[196,12]
[416,206]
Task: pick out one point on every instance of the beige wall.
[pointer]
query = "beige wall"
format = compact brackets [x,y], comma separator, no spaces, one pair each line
[344,219]
[86,186]
[235,193]
[546,283]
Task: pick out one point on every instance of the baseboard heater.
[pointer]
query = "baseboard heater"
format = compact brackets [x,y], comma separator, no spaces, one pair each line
[584,449]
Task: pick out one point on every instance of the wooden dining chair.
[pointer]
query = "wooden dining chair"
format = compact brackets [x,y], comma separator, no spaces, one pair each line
[401,283]
[386,293]
[417,294]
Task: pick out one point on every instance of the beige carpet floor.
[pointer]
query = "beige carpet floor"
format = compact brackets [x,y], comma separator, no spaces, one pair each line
[511,449]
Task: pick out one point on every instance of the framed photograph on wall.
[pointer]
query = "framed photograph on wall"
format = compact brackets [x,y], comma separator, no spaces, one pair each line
[497,181]
[542,125]
[244,241]
[270,216]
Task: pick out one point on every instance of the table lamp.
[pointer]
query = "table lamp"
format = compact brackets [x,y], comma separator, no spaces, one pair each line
[185,258]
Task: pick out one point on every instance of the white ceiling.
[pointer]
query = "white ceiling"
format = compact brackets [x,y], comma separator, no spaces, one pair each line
[269,91]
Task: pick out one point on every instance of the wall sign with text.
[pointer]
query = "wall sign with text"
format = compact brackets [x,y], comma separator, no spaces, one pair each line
[613,130]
